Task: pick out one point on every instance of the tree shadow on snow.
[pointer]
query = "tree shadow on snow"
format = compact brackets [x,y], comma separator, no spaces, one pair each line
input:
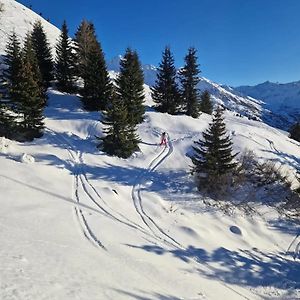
[141,295]
[252,268]
[164,182]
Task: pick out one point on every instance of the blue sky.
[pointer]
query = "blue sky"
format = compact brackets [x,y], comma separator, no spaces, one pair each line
[239,41]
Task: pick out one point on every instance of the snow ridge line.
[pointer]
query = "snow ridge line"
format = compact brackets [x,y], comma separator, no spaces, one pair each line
[87,231]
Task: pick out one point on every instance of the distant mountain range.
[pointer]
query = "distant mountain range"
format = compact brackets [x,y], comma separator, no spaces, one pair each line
[282,99]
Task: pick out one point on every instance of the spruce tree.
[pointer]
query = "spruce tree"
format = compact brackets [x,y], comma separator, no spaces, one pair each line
[121,139]
[30,56]
[30,104]
[84,39]
[42,49]
[189,79]
[165,92]
[9,80]
[295,132]
[213,155]
[65,62]
[130,87]
[92,68]
[206,105]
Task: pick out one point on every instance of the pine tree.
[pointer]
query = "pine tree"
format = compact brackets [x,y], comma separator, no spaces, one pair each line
[130,87]
[42,49]
[31,103]
[30,56]
[65,62]
[8,83]
[165,92]
[206,105]
[295,132]
[213,155]
[92,68]
[121,139]
[84,39]
[189,79]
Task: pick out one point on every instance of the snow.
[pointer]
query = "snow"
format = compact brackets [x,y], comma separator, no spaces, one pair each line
[16,17]
[78,224]
[282,99]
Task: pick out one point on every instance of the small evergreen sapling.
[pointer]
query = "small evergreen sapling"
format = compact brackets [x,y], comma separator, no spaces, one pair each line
[206,105]
[295,132]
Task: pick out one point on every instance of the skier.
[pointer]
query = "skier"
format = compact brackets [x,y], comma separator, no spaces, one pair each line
[163,139]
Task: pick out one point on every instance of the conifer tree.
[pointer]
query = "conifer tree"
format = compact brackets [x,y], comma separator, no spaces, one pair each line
[189,79]
[130,87]
[9,80]
[92,68]
[165,92]
[213,155]
[85,37]
[42,49]
[65,62]
[295,132]
[31,103]
[206,105]
[121,139]
[29,55]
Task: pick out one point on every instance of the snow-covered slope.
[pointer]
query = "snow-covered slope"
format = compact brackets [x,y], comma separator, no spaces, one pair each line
[282,99]
[78,224]
[17,17]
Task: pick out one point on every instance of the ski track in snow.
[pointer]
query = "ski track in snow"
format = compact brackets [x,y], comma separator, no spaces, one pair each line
[81,179]
[150,222]
[86,229]
[137,198]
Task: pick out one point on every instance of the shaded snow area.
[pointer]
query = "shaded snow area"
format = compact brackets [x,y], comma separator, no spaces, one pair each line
[78,224]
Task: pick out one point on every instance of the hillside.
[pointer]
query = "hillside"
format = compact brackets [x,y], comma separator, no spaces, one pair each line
[76,223]
[283,99]
[16,17]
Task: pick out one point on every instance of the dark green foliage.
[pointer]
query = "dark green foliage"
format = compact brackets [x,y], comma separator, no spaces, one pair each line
[85,37]
[295,132]
[130,88]
[121,139]
[213,156]
[12,60]
[92,68]
[65,62]
[43,53]
[8,83]
[30,103]
[189,79]
[165,92]
[206,105]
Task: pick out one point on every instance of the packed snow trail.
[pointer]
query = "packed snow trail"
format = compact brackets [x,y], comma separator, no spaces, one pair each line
[150,222]
[81,181]
[86,229]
